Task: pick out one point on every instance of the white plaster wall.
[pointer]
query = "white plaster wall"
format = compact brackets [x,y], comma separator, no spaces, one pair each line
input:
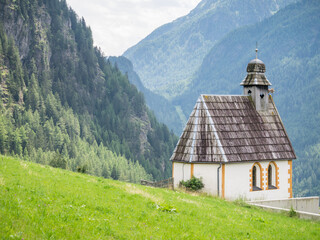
[237,181]
[208,173]
[181,171]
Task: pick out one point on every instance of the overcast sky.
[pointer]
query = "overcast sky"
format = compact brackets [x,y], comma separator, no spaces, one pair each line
[119,24]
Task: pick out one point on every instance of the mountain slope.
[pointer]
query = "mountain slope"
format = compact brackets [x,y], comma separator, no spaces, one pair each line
[166,59]
[165,111]
[60,99]
[289,44]
[40,202]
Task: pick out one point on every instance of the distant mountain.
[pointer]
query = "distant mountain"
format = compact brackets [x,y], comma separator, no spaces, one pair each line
[289,45]
[167,58]
[165,111]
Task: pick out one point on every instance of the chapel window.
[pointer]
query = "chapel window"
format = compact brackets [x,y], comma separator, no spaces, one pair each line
[256,177]
[272,176]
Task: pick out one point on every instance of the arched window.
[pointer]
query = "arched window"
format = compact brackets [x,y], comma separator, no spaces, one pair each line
[269,176]
[256,177]
[272,176]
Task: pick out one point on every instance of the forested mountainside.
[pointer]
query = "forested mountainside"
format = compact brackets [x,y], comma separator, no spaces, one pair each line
[165,111]
[289,45]
[62,104]
[167,58]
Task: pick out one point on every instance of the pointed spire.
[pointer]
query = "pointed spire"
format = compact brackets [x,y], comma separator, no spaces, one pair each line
[256,50]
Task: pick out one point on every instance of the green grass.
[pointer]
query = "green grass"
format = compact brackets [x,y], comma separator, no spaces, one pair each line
[40,202]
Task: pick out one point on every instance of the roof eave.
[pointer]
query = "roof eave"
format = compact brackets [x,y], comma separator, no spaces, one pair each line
[242,161]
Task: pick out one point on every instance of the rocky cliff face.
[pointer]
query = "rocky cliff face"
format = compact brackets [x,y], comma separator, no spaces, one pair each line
[26,37]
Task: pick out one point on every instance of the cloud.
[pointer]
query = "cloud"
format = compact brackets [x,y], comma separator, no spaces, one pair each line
[119,24]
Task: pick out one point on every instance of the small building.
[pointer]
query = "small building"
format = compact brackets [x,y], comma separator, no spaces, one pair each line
[238,144]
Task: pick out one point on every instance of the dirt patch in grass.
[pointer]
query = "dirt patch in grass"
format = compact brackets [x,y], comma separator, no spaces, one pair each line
[24,164]
[2,182]
[129,188]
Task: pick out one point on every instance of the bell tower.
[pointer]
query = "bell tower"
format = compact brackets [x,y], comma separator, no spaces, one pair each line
[256,84]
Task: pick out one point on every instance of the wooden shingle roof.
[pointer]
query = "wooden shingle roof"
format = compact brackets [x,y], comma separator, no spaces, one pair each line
[229,129]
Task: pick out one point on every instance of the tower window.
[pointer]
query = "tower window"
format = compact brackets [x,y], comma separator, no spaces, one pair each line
[261,95]
[249,92]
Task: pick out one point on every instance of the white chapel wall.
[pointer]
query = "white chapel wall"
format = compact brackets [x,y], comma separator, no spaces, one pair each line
[237,179]
[208,173]
[181,171]
[238,184]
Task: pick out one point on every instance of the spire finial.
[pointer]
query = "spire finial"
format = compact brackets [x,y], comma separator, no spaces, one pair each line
[256,50]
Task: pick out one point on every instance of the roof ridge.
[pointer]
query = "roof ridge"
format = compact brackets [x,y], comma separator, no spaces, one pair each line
[215,131]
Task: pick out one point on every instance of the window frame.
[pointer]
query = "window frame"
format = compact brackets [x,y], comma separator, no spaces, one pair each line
[256,174]
[274,176]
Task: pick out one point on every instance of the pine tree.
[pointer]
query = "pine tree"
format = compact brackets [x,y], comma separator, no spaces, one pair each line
[33,96]
[16,81]
[3,136]
[114,173]
[16,142]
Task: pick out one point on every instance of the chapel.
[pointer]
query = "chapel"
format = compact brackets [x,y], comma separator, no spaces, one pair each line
[237,144]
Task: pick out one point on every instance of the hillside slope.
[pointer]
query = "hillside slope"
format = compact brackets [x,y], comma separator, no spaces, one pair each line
[60,99]
[41,202]
[289,44]
[165,111]
[167,58]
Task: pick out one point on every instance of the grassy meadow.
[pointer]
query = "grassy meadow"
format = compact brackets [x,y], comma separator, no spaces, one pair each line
[41,202]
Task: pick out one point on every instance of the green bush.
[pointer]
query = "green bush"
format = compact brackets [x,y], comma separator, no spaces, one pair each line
[58,162]
[193,184]
[292,212]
